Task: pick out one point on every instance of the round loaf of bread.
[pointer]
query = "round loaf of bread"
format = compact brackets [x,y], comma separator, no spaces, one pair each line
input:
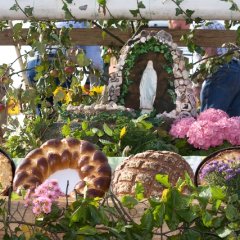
[90,163]
[143,168]
[6,173]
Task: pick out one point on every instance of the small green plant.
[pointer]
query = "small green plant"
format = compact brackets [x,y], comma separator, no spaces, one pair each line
[205,212]
[119,135]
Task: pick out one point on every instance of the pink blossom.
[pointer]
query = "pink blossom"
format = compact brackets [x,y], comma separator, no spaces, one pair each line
[46,209]
[180,127]
[232,133]
[212,115]
[43,197]
[36,210]
[204,134]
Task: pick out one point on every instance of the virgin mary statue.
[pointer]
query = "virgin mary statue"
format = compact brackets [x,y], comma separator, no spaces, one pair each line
[148,88]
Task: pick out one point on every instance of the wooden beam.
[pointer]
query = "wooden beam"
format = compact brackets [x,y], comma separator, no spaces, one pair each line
[95,36]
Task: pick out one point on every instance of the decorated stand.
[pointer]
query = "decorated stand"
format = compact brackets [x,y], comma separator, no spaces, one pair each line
[165,86]
[173,95]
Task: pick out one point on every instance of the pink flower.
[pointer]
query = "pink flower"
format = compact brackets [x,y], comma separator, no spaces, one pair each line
[204,134]
[36,210]
[232,133]
[212,115]
[43,197]
[180,127]
[46,209]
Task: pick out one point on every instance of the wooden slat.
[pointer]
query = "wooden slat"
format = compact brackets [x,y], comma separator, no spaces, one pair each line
[94,36]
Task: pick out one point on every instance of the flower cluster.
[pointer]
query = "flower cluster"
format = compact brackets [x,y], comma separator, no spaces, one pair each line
[43,197]
[211,128]
[222,173]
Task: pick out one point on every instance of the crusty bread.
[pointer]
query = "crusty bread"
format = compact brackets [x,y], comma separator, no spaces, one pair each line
[6,173]
[143,168]
[91,165]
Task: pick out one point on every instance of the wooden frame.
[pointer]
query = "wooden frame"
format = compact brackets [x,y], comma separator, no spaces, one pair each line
[94,36]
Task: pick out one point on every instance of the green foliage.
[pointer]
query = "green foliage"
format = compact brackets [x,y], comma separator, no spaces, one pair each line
[21,139]
[118,134]
[200,213]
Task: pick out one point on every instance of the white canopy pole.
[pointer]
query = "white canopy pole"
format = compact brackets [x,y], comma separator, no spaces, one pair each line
[20,60]
[89,9]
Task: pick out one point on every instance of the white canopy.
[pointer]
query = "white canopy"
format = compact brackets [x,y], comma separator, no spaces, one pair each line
[89,9]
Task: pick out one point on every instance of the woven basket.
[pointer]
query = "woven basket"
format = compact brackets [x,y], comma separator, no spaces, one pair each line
[221,155]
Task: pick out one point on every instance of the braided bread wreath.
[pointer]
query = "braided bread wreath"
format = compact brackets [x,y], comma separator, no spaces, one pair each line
[91,165]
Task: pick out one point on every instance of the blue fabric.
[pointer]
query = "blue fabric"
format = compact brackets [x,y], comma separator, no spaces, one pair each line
[221,90]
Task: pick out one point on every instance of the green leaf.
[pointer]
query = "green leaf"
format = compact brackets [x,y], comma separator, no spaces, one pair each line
[163,179]
[14,7]
[207,219]
[158,214]
[189,13]
[178,11]
[141,5]
[217,193]
[105,142]
[139,191]
[134,12]
[223,232]
[79,215]
[102,2]
[187,215]
[66,130]
[28,11]
[232,212]
[15,196]
[87,230]
[107,130]
[84,125]
[147,221]
[129,201]
[190,234]
[82,60]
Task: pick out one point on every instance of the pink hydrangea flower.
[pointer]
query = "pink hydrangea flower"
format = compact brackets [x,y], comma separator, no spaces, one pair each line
[212,115]
[205,134]
[232,132]
[180,127]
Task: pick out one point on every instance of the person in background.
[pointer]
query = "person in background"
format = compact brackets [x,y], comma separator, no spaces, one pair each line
[178,24]
[221,89]
[92,52]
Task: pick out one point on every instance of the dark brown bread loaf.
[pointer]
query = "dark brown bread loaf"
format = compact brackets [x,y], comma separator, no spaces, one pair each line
[91,165]
[143,168]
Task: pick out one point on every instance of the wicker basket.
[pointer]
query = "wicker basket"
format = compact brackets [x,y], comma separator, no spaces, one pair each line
[221,155]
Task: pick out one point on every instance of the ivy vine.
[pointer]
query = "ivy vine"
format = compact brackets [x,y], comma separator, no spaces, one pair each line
[151,45]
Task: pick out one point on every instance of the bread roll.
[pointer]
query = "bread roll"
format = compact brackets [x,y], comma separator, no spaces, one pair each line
[91,165]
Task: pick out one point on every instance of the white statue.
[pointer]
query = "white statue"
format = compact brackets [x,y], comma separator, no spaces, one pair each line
[148,88]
